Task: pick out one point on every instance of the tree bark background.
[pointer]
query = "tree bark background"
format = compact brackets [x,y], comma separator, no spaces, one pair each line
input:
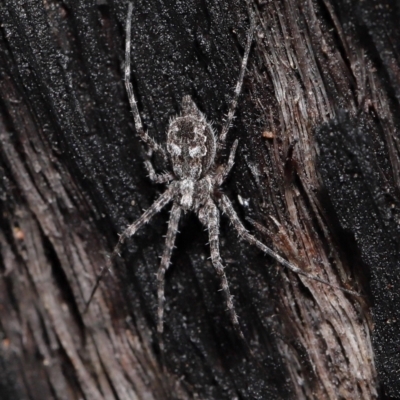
[317,166]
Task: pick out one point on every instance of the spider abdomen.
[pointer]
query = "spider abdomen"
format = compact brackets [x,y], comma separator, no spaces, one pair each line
[191,142]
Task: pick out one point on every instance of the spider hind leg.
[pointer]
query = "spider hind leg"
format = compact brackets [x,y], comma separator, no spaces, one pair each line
[239,83]
[153,145]
[157,178]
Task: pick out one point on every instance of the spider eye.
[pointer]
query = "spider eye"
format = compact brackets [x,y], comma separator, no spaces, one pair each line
[174,149]
[195,151]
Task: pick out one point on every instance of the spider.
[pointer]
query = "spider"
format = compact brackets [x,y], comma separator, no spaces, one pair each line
[194,183]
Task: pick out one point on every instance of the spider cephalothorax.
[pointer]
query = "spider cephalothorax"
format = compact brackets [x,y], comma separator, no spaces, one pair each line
[192,149]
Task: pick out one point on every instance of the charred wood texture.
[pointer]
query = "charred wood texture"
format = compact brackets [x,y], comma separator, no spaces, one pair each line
[317,169]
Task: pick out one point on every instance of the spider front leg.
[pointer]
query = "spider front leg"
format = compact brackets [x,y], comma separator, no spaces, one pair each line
[155,208]
[226,207]
[165,261]
[132,100]
[209,216]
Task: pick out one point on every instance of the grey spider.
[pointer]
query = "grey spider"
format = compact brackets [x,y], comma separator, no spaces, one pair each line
[195,180]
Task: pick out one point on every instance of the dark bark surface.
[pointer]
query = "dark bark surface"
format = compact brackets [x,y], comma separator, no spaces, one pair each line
[317,166]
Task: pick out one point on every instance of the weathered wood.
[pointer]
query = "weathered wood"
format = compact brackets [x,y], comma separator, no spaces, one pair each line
[73,177]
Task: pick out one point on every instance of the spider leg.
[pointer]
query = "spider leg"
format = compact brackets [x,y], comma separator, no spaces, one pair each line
[156,207]
[165,262]
[211,220]
[223,173]
[132,100]
[233,105]
[157,178]
[226,207]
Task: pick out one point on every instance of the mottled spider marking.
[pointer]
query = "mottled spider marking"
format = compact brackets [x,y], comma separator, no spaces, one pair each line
[191,142]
